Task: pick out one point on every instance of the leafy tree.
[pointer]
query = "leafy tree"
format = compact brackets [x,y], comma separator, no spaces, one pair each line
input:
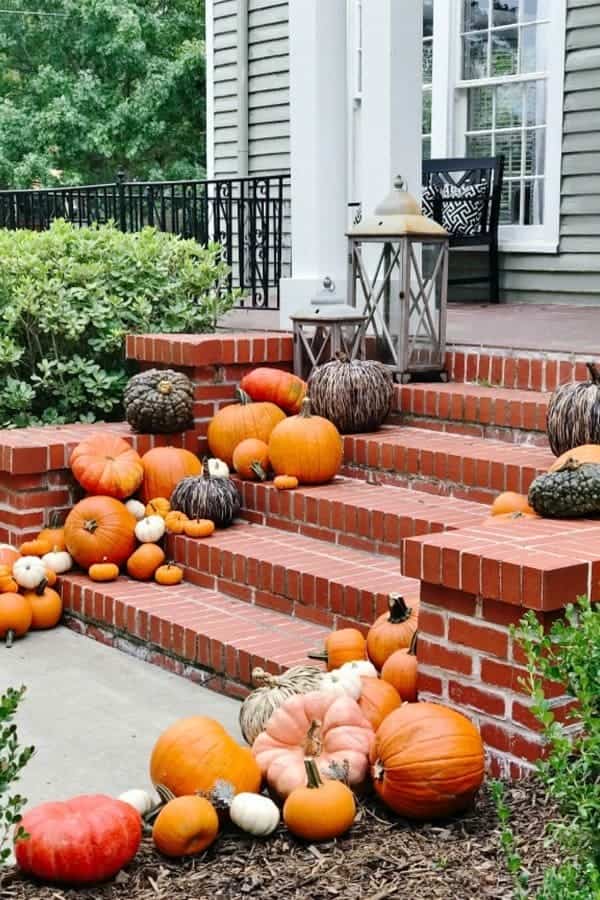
[88,87]
[13,758]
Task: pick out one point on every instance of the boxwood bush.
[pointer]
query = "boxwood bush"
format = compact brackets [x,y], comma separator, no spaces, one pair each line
[68,298]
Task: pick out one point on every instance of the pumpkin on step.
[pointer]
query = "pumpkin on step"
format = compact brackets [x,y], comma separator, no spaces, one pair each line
[306,446]
[234,423]
[107,465]
[251,459]
[587,453]
[571,491]
[99,529]
[392,631]
[159,401]
[356,395]
[207,497]
[573,416]
[400,670]
[270,691]
[164,468]
[168,575]
[509,502]
[285,390]
[143,562]
[342,646]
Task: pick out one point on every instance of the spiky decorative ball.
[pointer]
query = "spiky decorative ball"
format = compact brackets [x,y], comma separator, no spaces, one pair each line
[573,490]
[207,497]
[355,395]
[574,414]
[159,401]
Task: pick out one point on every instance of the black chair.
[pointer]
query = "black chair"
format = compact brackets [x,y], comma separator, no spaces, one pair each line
[459,173]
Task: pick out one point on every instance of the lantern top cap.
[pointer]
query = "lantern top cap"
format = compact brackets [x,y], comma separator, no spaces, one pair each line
[398,214]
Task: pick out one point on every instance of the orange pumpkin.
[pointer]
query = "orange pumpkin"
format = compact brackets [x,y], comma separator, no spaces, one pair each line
[8,555]
[168,575]
[100,529]
[198,528]
[428,761]
[281,388]
[46,608]
[175,521]
[53,536]
[160,506]
[195,753]
[106,465]
[306,446]
[164,468]
[320,811]
[36,547]
[400,670]
[586,453]
[15,617]
[143,563]
[51,576]
[377,700]
[103,571]
[233,424]
[344,645]
[391,631]
[185,826]
[510,502]
[8,585]
[285,482]
[251,459]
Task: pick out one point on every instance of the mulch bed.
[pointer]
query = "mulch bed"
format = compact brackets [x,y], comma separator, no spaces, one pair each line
[381,857]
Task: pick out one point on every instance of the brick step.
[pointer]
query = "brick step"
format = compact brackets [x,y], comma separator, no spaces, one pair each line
[313,580]
[454,465]
[476,410]
[213,639]
[352,513]
[527,370]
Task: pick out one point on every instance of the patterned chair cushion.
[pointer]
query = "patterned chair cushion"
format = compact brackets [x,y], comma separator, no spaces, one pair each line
[462,208]
[427,201]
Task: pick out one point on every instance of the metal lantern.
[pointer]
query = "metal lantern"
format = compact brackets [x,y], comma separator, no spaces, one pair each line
[398,275]
[325,328]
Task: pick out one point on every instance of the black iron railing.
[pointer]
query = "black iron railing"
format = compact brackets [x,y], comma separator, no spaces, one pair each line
[249,217]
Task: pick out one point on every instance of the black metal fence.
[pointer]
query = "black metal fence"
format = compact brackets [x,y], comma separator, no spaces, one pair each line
[249,217]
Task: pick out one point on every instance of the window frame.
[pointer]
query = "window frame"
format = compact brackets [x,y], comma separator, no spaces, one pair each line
[449,115]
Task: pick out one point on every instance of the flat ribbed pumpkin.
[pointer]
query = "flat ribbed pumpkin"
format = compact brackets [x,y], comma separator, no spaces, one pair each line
[107,465]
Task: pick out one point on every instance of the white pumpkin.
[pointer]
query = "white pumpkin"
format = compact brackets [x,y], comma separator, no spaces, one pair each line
[29,572]
[58,560]
[136,508]
[140,800]
[254,814]
[360,667]
[217,468]
[339,682]
[150,529]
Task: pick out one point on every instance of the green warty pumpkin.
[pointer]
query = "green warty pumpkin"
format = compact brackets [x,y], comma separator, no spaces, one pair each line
[159,401]
[573,490]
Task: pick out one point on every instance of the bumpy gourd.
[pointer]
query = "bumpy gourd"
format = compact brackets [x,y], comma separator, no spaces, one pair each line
[159,401]
[573,490]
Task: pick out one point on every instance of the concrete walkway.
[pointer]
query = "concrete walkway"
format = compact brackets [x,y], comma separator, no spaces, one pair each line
[94,713]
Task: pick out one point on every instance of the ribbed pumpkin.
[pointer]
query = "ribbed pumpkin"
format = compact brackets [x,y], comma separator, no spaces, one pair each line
[392,631]
[233,424]
[377,700]
[428,761]
[573,416]
[306,446]
[270,692]
[159,401]
[15,616]
[195,753]
[207,497]
[164,468]
[285,390]
[356,395]
[106,465]
[100,529]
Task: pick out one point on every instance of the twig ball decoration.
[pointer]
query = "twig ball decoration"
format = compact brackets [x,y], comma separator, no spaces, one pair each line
[356,395]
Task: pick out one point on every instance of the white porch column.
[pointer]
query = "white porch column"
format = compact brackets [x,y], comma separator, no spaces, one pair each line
[318,124]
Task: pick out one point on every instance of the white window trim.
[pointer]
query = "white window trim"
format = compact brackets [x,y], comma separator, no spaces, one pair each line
[444,143]
[210,88]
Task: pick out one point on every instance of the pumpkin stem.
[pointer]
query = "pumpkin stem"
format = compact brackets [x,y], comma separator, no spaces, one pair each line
[313,745]
[164,386]
[378,770]
[312,773]
[242,397]
[399,611]
[594,372]
[258,471]
[10,634]
[90,525]
[260,678]
[305,408]
[205,470]
[41,587]
[318,654]
[342,357]
[412,647]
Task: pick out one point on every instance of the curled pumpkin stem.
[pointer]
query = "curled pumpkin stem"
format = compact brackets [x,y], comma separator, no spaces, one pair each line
[314,744]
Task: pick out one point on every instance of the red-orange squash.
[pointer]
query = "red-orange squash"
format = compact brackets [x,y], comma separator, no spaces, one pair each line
[100,529]
[234,423]
[281,388]
[392,631]
[164,468]
[428,761]
[108,466]
[306,446]
[377,700]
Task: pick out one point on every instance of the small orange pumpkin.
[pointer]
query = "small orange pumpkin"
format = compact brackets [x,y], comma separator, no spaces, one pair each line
[251,459]
[46,608]
[37,547]
[54,536]
[15,617]
[8,585]
[344,645]
[160,506]
[285,482]
[509,502]
[185,826]
[168,575]
[320,811]
[143,562]
[377,700]
[8,555]
[198,528]
[175,521]
[103,571]
[400,670]
[391,631]
[51,577]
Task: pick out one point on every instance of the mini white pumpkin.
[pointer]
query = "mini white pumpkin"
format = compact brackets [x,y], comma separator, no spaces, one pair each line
[150,529]
[254,814]
[29,572]
[136,508]
[217,468]
[58,560]
[140,800]
[360,667]
[339,682]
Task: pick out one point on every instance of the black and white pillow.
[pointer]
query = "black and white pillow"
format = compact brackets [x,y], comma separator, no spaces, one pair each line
[462,208]
[428,200]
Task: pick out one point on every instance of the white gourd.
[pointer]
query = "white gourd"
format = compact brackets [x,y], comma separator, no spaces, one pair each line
[340,682]
[217,468]
[58,560]
[136,508]
[140,800]
[150,529]
[360,667]
[29,572]
[254,814]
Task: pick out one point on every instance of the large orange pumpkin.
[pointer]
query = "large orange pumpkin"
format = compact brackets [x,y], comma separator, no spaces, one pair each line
[586,453]
[377,700]
[392,631]
[306,446]
[195,753]
[107,465]
[282,388]
[100,529]
[428,761]
[164,468]
[233,424]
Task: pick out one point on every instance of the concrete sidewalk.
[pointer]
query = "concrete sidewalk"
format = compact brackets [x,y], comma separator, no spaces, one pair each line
[94,713]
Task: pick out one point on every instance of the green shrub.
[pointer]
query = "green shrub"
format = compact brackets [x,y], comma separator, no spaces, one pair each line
[68,297]
[13,759]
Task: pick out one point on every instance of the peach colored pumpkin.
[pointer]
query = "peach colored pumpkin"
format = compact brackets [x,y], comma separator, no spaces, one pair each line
[328,727]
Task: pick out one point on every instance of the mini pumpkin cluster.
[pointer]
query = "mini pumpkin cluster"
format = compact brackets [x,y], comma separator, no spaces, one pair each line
[28,600]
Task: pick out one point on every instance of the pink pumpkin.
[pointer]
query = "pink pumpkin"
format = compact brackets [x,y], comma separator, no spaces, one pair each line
[329,727]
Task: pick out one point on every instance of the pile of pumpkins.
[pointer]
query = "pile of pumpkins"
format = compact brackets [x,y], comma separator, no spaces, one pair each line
[319,741]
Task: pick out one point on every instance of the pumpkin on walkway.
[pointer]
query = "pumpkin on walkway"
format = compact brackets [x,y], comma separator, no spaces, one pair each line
[392,631]
[573,416]
[107,465]
[234,423]
[164,468]
[15,617]
[100,529]
[207,497]
[285,390]
[46,608]
[185,826]
[81,841]
[270,691]
[159,401]
[428,761]
[306,446]
[356,395]
[321,811]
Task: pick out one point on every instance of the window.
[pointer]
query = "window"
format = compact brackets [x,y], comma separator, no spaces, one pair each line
[427,75]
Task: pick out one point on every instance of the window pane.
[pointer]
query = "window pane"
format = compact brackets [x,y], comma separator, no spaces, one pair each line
[505,12]
[509,106]
[510,203]
[505,46]
[426,148]
[426,129]
[535,103]
[427,61]
[475,48]
[534,9]
[535,151]
[534,203]
[479,145]
[475,14]
[509,145]
[532,42]
[427,18]
[480,104]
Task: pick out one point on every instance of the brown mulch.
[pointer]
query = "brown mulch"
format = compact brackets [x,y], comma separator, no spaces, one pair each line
[381,857]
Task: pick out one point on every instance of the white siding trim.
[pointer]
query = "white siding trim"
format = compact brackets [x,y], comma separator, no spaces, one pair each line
[210,89]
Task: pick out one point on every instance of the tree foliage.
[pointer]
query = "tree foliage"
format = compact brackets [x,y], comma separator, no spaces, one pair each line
[88,87]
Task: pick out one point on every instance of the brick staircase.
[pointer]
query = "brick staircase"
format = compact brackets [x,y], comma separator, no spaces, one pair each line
[408,514]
